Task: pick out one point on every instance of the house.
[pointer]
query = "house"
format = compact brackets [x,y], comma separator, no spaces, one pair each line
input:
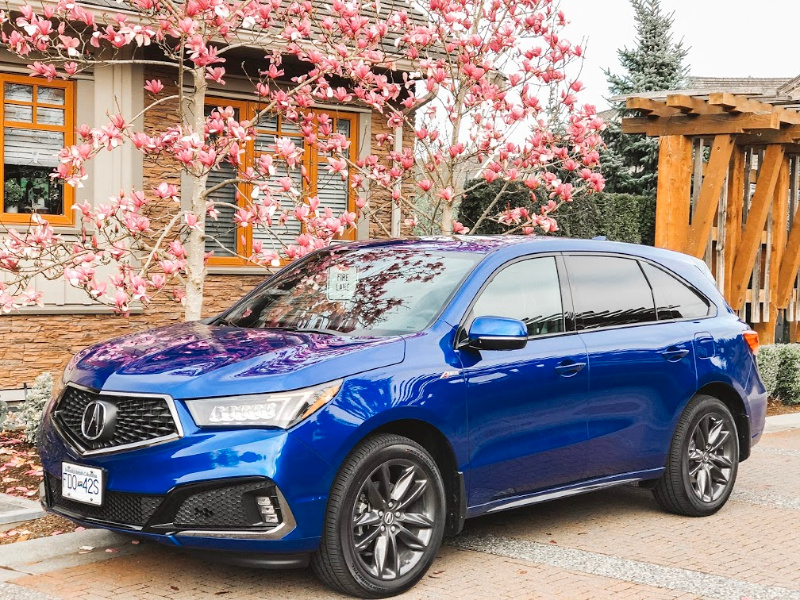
[39,118]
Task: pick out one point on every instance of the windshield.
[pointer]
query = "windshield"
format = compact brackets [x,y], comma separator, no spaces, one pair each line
[378,291]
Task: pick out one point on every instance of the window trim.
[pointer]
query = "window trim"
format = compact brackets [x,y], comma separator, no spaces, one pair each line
[566,298]
[713,309]
[67,215]
[247,110]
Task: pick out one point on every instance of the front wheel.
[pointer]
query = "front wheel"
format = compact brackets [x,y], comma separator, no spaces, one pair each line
[703,460]
[385,519]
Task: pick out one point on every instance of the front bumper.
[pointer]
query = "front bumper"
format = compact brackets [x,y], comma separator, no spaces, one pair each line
[200,491]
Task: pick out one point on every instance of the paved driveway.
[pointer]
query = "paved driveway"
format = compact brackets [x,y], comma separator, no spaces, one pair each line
[615,543]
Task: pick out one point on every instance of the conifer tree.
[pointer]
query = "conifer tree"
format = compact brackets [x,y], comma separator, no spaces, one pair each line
[655,63]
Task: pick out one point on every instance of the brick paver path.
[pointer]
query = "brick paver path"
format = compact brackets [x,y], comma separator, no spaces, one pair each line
[615,543]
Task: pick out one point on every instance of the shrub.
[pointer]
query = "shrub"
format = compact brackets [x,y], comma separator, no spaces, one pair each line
[30,414]
[779,366]
[619,217]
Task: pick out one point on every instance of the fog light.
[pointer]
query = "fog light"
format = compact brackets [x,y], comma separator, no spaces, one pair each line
[267,511]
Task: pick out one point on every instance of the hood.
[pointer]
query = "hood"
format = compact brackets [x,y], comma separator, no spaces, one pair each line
[194,360]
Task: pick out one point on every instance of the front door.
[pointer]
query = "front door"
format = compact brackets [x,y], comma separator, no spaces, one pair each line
[527,426]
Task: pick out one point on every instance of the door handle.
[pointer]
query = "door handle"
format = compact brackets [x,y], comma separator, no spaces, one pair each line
[569,368]
[674,354]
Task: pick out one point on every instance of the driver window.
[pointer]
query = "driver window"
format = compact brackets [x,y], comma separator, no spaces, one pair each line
[528,291]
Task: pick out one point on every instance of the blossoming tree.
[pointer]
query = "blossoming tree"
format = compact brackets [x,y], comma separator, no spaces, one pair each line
[482,84]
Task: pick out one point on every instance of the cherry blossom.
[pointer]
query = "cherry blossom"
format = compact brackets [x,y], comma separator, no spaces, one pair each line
[467,90]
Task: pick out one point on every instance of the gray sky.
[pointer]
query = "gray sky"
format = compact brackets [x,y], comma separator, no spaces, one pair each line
[727,38]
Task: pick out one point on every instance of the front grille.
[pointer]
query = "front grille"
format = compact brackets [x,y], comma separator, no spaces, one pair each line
[118,507]
[139,419]
[234,507]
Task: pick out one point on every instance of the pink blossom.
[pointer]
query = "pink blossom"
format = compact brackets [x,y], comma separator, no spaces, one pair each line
[154,86]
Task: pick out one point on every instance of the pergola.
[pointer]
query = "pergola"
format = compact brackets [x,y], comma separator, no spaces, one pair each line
[728,176]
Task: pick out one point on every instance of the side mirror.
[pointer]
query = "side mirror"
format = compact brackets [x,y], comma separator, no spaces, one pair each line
[497,333]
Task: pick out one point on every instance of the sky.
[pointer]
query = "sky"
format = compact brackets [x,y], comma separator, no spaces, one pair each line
[727,38]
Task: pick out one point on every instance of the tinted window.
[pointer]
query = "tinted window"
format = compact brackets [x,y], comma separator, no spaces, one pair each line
[363,291]
[528,291]
[674,299]
[609,291]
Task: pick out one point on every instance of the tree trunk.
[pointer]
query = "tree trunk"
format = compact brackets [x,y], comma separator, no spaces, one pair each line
[195,244]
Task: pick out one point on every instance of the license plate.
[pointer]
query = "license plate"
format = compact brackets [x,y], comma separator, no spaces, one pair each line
[82,484]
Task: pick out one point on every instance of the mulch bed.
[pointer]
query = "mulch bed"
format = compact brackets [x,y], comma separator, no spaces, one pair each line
[775,407]
[20,475]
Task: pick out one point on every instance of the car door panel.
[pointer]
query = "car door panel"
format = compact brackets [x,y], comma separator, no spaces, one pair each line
[526,407]
[642,370]
[641,377]
[527,421]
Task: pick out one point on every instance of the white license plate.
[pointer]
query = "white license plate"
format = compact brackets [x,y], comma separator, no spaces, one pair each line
[82,484]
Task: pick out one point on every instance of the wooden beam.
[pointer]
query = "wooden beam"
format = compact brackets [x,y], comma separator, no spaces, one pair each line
[790,264]
[788,134]
[733,214]
[740,104]
[674,191]
[710,192]
[756,219]
[651,107]
[702,124]
[780,208]
[692,106]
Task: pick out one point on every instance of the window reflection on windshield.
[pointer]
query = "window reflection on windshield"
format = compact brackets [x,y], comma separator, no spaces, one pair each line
[363,291]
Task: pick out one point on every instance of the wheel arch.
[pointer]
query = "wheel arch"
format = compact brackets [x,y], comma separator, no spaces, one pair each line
[728,395]
[436,443]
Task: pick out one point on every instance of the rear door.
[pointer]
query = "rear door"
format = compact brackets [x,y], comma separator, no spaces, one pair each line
[526,408]
[641,370]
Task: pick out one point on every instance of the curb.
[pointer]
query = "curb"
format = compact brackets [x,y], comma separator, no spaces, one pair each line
[782,423]
[14,509]
[53,553]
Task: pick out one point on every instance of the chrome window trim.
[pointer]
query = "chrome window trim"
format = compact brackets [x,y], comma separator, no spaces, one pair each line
[74,444]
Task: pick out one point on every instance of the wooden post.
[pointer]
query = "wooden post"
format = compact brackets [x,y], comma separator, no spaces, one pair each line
[733,216]
[750,244]
[674,191]
[766,328]
[710,192]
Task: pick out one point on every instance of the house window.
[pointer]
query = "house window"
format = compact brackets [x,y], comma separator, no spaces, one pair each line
[37,124]
[228,242]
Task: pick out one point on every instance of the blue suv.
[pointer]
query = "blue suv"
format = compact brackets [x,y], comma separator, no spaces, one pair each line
[364,401]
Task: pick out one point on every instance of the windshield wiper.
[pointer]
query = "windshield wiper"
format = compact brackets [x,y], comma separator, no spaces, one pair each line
[294,329]
[226,323]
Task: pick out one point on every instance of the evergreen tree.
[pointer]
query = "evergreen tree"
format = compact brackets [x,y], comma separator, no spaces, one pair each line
[630,162]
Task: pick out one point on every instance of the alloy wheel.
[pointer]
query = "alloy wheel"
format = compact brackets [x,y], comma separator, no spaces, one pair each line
[393,519]
[711,457]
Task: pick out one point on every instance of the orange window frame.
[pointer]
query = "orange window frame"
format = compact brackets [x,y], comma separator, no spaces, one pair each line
[67,216]
[248,110]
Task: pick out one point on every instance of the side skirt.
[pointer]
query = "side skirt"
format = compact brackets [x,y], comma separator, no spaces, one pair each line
[574,489]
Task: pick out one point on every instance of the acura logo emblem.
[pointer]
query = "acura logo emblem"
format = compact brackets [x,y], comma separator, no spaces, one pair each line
[98,421]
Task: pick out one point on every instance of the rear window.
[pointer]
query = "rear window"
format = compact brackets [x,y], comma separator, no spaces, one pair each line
[674,299]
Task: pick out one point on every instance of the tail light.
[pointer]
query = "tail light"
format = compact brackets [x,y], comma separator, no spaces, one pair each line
[751,337]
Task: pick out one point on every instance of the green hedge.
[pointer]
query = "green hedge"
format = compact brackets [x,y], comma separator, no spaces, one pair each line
[779,366]
[619,217]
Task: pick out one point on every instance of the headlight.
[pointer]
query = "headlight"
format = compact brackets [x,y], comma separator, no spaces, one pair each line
[278,409]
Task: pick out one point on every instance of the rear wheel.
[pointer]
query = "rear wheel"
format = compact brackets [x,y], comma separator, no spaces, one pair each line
[703,460]
[385,519]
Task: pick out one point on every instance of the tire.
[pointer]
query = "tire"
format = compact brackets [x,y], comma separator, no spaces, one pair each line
[381,470]
[701,467]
